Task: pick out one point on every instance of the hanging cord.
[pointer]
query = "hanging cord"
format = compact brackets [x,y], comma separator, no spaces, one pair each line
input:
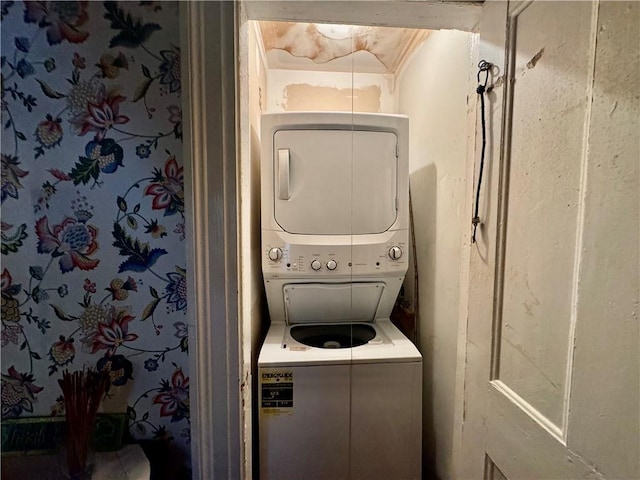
[485,67]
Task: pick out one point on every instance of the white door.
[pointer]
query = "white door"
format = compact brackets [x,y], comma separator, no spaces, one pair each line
[552,372]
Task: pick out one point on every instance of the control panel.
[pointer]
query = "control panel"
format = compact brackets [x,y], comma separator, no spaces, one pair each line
[282,259]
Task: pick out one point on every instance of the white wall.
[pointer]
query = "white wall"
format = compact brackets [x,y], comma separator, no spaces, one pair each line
[251,298]
[433,89]
[291,90]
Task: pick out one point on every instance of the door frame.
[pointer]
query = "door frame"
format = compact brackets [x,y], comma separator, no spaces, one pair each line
[220,404]
[208,36]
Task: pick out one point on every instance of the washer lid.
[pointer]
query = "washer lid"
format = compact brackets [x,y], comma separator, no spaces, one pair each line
[332,302]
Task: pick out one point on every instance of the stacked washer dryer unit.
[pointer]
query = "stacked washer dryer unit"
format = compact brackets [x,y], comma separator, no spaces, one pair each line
[340,387]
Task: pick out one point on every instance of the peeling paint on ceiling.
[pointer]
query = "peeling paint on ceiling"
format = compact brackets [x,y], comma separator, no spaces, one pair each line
[310,46]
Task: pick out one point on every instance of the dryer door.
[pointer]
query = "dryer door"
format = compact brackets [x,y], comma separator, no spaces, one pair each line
[335,182]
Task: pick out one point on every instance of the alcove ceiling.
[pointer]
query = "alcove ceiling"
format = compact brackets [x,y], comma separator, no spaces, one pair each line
[337,48]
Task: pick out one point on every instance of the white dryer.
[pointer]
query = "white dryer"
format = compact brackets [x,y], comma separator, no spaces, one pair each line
[340,387]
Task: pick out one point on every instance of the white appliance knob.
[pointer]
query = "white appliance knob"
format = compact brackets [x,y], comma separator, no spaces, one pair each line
[275,254]
[395,253]
[331,264]
[316,265]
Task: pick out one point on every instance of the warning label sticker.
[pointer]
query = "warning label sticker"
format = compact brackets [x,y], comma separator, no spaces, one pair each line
[277,391]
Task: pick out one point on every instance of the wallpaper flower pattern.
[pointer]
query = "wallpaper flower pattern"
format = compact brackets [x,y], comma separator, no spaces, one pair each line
[93,256]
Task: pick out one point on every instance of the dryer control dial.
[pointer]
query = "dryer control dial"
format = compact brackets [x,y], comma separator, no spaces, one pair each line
[331,264]
[275,254]
[395,253]
[316,265]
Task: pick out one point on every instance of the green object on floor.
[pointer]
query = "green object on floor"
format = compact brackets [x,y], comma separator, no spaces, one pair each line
[41,435]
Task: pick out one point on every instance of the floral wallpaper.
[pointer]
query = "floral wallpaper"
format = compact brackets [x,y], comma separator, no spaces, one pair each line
[93,255]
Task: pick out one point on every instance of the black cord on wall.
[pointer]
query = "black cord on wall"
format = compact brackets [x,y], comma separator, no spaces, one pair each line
[485,67]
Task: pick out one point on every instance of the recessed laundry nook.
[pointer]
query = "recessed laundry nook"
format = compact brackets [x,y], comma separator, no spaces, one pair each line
[354,151]
[321,239]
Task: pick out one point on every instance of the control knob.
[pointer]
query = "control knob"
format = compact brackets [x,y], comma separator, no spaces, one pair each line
[395,253]
[331,264]
[275,254]
[316,265]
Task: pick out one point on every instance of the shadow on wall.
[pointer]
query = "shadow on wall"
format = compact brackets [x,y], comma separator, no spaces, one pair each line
[424,200]
[259,311]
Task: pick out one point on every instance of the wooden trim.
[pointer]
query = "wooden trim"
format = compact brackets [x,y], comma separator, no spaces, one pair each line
[503,185]
[209,106]
[465,261]
[477,362]
[430,15]
[528,409]
[580,229]
[521,430]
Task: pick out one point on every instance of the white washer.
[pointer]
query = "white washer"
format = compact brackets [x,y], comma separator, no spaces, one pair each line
[340,387]
[340,413]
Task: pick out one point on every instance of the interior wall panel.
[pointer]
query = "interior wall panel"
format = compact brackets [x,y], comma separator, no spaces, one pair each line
[550,85]
[608,332]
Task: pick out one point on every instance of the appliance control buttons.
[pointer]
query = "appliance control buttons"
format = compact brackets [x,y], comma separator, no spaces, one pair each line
[395,253]
[316,265]
[331,264]
[275,254]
